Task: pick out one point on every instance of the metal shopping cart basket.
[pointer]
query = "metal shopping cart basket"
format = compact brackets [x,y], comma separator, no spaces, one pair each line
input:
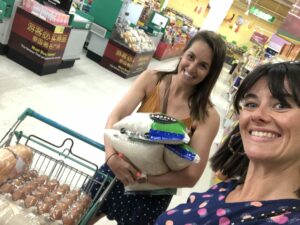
[59,160]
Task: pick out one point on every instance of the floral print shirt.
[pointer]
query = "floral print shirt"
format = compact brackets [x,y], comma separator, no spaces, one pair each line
[210,208]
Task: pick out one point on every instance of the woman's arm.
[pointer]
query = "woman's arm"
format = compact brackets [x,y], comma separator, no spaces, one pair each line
[144,83]
[201,141]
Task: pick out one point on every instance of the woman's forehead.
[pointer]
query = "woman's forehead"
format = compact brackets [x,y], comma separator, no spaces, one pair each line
[270,85]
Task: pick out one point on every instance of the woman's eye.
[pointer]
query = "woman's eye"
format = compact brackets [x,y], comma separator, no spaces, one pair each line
[282,106]
[248,105]
[189,56]
[202,66]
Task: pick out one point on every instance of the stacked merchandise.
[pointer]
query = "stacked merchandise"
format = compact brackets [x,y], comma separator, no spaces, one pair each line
[172,43]
[175,35]
[136,39]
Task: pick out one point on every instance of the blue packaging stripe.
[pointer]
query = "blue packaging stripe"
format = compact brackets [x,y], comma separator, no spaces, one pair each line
[181,152]
[157,135]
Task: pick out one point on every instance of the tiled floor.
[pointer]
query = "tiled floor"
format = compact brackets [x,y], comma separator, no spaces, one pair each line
[81,98]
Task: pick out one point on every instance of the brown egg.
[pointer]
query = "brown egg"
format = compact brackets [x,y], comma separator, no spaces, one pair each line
[18,194]
[17,182]
[63,189]
[68,219]
[27,189]
[7,188]
[77,211]
[45,190]
[50,201]
[26,176]
[38,194]
[72,196]
[43,207]
[52,184]
[75,192]
[85,200]
[43,179]
[55,195]
[67,201]
[30,200]
[62,205]
[33,173]
[56,213]
[31,185]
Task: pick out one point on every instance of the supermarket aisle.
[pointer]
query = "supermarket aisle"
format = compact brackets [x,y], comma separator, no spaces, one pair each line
[81,98]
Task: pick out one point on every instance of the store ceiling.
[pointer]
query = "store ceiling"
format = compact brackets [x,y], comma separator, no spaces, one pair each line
[288,3]
[278,8]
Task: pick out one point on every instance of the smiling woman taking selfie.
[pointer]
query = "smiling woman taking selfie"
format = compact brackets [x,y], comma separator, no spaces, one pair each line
[260,158]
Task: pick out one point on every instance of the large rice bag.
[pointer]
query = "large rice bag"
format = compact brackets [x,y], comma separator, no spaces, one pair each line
[150,158]
[146,156]
[14,160]
[155,127]
[178,157]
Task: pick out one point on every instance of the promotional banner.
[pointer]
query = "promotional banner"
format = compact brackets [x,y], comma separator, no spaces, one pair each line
[37,40]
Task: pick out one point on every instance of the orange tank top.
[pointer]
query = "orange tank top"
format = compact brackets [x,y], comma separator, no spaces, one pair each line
[152,104]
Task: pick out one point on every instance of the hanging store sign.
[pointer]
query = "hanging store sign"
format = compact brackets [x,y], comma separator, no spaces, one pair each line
[262,15]
[259,38]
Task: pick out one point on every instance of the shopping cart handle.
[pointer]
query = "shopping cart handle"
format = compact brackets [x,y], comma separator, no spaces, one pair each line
[30,112]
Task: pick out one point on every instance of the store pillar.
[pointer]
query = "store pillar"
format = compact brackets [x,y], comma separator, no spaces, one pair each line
[164,4]
[217,12]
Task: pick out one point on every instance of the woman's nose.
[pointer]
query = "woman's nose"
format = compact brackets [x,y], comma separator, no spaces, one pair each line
[262,114]
[193,67]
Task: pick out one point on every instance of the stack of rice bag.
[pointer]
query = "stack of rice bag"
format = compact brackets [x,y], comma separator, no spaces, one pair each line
[155,143]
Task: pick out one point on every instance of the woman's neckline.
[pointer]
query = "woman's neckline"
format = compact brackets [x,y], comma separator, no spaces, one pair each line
[235,184]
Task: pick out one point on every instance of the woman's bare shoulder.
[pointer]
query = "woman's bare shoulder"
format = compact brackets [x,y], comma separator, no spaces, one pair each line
[150,72]
[212,118]
[148,79]
[213,114]
[212,111]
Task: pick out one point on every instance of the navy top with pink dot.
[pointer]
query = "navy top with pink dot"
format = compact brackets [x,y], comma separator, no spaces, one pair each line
[210,208]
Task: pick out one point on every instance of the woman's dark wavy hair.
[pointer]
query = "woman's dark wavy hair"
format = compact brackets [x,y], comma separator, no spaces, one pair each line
[236,165]
[199,99]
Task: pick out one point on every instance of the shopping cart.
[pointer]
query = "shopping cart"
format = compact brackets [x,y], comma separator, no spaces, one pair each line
[58,161]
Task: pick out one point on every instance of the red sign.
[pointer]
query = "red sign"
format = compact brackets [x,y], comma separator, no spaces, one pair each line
[259,38]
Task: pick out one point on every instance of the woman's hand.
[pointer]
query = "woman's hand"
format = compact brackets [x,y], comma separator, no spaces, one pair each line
[123,169]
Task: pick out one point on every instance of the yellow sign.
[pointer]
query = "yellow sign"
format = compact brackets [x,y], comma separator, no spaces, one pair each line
[59,29]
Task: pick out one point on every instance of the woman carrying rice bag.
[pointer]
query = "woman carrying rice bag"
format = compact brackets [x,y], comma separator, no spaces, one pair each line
[184,94]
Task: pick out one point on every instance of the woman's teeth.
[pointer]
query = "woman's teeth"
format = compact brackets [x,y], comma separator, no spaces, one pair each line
[263,134]
[188,75]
